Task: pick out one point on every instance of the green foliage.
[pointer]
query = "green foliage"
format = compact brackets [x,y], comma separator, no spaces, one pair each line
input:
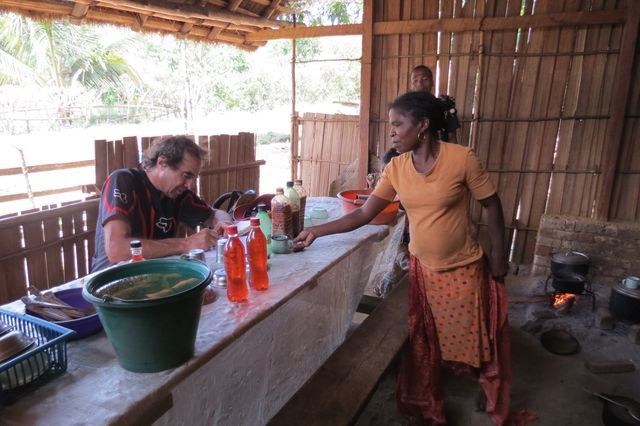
[74,68]
[313,12]
[273,137]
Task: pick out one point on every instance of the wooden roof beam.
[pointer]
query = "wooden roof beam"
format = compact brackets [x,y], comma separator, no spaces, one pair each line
[192,12]
[306,32]
[279,7]
[603,17]
[272,9]
[79,12]
[234,5]
[186,28]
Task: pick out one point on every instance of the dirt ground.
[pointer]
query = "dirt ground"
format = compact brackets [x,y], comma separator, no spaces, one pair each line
[547,385]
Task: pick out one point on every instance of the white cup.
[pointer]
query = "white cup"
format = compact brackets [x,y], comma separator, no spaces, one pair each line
[631,282]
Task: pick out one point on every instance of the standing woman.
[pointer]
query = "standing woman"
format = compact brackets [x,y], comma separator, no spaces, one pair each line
[457,301]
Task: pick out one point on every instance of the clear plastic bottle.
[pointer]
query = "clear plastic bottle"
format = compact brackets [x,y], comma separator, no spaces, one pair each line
[257,248]
[265,225]
[136,251]
[281,215]
[303,202]
[294,199]
[235,267]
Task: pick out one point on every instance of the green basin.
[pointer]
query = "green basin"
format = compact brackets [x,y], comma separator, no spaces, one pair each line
[154,334]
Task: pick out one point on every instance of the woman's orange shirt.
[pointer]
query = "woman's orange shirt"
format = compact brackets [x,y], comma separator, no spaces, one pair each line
[437,204]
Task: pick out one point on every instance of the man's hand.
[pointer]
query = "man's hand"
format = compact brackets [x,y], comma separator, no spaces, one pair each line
[205,239]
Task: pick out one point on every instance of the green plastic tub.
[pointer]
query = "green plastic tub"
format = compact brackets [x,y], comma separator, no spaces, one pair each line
[151,335]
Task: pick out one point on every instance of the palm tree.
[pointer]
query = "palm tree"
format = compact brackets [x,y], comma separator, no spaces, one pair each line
[68,58]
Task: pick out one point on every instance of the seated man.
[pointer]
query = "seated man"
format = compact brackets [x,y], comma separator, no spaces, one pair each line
[149,203]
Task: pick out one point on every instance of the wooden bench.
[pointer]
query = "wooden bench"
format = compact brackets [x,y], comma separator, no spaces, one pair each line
[339,390]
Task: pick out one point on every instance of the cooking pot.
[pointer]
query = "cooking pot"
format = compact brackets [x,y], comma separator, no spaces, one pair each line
[624,303]
[563,263]
[569,282]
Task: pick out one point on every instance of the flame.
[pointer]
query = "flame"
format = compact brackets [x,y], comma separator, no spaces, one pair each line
[562,299]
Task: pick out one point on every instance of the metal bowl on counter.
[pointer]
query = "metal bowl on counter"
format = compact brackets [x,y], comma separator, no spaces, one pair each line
[354,198]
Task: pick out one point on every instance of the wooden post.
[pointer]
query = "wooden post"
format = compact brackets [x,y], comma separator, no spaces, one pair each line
[365,92]
[619,102]
[294,121]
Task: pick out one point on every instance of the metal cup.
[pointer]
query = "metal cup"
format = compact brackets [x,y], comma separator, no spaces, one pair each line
[194,254]
[281,244]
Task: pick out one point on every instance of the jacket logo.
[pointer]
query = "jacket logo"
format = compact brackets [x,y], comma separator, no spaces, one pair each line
[121,196]
[164,224]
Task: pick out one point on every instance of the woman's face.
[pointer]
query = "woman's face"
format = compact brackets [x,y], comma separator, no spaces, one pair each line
[404,132]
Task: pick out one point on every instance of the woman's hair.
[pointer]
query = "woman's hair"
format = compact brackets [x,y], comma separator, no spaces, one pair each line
[421,105]
[173,148]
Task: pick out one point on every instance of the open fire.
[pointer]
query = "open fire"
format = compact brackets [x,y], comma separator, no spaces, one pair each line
[563,300]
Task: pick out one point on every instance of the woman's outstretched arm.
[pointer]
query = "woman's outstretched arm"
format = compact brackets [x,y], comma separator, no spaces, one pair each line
[346,223]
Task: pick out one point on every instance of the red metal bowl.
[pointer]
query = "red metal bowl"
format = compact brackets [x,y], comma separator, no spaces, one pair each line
[354,198]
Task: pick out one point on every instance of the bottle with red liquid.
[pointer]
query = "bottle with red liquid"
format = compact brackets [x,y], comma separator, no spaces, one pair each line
[136,251]
[257,248]
[235,267]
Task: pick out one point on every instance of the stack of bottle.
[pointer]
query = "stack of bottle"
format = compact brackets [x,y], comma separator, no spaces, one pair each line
[286,222]
[287,210]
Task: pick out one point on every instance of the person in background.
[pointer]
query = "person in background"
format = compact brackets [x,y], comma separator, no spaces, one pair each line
[150,202]
[457,300]
[422,80]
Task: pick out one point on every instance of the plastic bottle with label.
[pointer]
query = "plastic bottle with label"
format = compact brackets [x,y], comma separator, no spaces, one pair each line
[303,202]
[265,225]
[281,215]
[257,248]
[235,267]
[294,199]
[136,251]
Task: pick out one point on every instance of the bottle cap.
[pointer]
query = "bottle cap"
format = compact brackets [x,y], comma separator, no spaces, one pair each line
[299,182]
[232,230]
[135,244]
[262,206]
[255,221]
[290,184]
[279,191]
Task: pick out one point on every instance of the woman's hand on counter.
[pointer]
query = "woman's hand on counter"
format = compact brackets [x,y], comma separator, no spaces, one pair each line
[306,237]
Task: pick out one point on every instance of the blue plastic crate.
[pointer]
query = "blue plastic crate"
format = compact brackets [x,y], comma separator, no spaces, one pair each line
[46,359]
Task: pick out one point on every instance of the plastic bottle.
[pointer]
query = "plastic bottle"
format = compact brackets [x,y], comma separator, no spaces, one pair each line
[257,248]
[265,225]
[303,201]
[234,266]
[136,251]
[281,215]
[294,199]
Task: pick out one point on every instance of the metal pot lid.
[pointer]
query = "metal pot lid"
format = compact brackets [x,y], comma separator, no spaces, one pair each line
[623,289]
[570,258]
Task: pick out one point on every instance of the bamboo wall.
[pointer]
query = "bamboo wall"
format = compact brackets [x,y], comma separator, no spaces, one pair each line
[328,145]
[534,102]
[46,248]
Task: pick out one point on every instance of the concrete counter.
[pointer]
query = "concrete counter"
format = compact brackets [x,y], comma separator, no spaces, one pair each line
[250,358]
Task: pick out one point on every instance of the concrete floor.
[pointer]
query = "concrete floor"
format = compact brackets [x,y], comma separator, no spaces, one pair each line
[548,385]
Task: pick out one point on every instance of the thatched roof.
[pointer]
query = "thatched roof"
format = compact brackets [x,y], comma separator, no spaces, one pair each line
[203,20]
